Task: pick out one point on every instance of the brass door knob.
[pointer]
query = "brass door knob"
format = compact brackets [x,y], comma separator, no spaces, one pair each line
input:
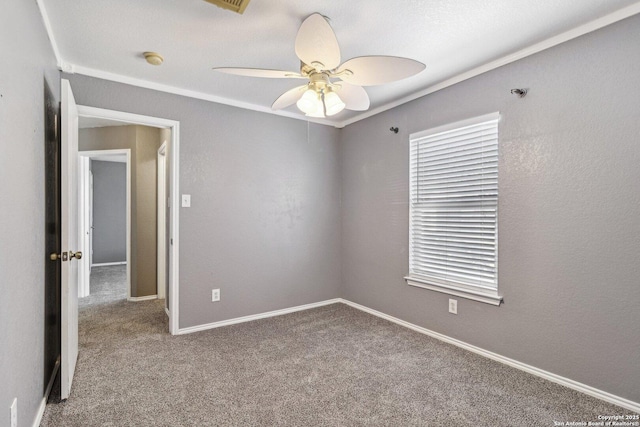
[60,257]
[77,255]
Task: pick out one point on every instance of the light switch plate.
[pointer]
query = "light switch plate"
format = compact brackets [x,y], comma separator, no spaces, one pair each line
[186,200]
[453,306]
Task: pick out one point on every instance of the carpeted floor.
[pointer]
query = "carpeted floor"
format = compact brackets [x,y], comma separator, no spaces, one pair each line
[107,285]
[330,366]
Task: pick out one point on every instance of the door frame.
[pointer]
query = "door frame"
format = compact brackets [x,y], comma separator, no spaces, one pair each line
[174,194]
[84,212]
[102,153]
[161,215]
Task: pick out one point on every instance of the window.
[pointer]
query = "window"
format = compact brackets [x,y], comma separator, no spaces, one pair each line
[453,209]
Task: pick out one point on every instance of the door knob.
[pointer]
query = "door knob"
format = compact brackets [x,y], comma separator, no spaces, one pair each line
[55,256]
[77,255]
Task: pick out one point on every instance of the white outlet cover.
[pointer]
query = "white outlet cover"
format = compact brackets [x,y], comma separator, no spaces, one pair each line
[186,200]
[215,295]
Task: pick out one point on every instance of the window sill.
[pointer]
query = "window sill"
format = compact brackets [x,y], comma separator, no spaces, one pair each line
[486,297]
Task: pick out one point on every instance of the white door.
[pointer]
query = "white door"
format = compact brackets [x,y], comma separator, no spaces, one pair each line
[69,237]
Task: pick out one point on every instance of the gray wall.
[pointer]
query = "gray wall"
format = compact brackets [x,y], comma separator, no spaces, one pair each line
[264,225]
[109,211]
[27,61]
[144,143]
[569,211]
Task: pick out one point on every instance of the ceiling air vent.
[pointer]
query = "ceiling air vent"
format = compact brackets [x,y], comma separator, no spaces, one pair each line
[234,5]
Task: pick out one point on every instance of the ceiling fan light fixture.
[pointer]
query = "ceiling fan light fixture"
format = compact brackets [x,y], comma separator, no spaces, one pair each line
[333,103]
[316,46]
[308,102]
[319,111]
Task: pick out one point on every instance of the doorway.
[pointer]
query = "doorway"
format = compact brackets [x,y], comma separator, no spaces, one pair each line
[70,114]
[113,209]
[170,156]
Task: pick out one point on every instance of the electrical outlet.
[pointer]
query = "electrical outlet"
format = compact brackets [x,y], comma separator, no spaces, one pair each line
[186,200]
[215,295]
[453,306]
[14,413]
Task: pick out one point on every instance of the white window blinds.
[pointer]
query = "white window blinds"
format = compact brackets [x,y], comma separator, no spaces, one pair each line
[453,206]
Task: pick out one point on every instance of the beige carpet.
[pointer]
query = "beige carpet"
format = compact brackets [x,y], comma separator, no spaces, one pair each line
[331,366]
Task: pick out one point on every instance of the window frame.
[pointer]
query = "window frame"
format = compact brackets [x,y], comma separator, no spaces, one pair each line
[468,291]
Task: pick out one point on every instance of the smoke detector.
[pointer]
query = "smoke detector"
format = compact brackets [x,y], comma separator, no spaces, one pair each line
[237,6]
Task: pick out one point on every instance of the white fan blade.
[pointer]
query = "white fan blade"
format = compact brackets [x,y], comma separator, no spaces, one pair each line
[377,70]
[316,43]
[355,97]
[289,97]
[257,72]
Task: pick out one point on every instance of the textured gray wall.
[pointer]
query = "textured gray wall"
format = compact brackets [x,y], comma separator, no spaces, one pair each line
[109,211]
[264,225]
[143,142]
[27,61]
[569,211]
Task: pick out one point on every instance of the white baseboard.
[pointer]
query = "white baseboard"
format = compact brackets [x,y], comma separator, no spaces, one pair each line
[43,403]
[243,319]
[144,298]
[104,264]
[583,388]
[40,413]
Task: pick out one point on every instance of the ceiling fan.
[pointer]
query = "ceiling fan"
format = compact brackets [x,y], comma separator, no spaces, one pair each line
[317,48]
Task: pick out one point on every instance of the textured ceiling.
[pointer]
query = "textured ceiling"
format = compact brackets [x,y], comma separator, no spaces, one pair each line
[107,38]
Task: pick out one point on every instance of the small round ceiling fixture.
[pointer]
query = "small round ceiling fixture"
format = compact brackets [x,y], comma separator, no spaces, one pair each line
[153,58]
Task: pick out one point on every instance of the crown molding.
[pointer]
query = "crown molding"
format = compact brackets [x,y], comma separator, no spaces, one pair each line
[581,30]
[161,87]
[47,25]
